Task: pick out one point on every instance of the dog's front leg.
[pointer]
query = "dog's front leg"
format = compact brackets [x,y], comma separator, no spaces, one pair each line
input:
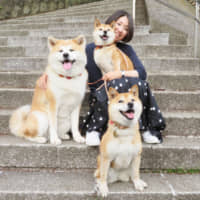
[135,174]
[53,127]
[102,180]
[75,125]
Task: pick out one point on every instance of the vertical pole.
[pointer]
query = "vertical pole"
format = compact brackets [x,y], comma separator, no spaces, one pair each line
[197,27]
[134,5]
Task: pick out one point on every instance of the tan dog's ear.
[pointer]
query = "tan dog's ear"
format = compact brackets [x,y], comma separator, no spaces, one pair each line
[80,40]
[112,93]
[52,42]
[134,90]
[97,22]
[112,24]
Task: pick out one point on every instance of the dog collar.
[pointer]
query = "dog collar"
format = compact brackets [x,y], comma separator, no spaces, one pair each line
[101,46]
[119,126]
[68,77]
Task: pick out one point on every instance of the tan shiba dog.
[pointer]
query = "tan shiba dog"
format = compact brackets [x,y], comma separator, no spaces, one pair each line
[121,147]
[106,54]
[56,109]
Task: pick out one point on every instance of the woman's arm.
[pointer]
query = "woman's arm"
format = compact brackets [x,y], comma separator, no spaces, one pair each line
[42,81]
[139,67]
[118,74]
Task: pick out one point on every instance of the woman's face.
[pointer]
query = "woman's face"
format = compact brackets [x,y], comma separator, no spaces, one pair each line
[121,28]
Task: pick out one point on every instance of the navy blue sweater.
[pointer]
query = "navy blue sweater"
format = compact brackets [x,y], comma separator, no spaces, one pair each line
[94,72]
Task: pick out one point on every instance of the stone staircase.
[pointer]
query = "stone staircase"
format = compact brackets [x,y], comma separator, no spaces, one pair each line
[33,171]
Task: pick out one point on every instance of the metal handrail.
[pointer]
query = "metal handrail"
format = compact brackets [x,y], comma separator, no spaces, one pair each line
[196,19]
[197,27]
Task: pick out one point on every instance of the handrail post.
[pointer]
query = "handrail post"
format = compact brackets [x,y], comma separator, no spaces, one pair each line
[197,27]
[134,14]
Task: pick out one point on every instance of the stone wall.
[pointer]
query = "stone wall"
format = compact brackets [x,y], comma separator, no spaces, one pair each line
[17,8]
[163,19]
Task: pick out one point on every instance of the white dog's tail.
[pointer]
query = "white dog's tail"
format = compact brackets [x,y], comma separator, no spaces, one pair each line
[17,120]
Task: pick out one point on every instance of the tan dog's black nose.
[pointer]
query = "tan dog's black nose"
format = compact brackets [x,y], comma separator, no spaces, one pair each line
[65,55]
[130,105]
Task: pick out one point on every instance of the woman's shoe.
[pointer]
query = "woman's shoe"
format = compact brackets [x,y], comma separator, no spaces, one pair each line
[152,137]
[92,138]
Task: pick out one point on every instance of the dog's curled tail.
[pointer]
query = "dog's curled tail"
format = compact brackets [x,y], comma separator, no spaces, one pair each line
[18,119]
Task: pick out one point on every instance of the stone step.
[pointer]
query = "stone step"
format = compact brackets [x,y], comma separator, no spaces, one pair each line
[151,64]
[178,81]
[156,40]
[167,100]
[179,123]
[79,184]
[141,50]
[173,153]
[61,32]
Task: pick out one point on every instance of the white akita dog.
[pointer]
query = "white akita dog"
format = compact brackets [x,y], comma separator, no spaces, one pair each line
[56,109]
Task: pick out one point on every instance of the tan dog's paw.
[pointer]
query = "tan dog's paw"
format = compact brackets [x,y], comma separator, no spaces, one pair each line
[139,184]
[79,139]
[102,189]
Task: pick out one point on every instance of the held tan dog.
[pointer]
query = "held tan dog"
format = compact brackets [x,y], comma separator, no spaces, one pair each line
[106,54]
[56,109]
[121,147]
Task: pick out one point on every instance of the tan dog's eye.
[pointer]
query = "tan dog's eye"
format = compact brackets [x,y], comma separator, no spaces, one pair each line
[61,51]
[132,100]
[120,101]
[71,50]
[101,29]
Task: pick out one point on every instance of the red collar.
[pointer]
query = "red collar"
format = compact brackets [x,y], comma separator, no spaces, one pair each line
[117,125]
[101,46]
[68,77]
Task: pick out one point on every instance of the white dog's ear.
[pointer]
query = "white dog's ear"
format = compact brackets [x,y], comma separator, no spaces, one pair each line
[96,22]
[80,40]
[112,93]
[51,42]
[134,90]
[112,24]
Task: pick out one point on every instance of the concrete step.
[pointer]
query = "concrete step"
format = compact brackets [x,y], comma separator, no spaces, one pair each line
[141,50]
[62,32]
[152,64]
[167,100]
[173,153]
[149,39]
[178,81]
[79,184]
[179,123]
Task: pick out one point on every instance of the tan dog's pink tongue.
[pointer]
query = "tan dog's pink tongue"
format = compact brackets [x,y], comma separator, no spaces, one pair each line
[67,65]
[130,115]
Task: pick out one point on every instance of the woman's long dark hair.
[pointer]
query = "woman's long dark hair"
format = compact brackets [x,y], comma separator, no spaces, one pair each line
[120,13]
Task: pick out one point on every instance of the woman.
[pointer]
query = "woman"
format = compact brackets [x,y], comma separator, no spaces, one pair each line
[95,123]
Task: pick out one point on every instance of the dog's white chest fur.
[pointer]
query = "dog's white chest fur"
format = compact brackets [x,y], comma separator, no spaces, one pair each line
[103,60]
[122,151]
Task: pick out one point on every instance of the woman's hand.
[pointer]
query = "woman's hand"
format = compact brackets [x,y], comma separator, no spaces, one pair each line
[118,74]
[42,81]
[112,75]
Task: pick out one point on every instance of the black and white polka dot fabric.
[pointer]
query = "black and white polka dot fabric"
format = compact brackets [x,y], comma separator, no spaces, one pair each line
[97,117]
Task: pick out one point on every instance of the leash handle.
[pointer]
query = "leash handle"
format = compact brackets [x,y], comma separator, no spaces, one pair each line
[92,83]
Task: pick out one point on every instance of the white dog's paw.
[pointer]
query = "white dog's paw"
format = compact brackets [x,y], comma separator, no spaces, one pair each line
[101,189]
[55,141]
[41,140]
[65,136]
[79,139]
[139,184]
[38,139]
